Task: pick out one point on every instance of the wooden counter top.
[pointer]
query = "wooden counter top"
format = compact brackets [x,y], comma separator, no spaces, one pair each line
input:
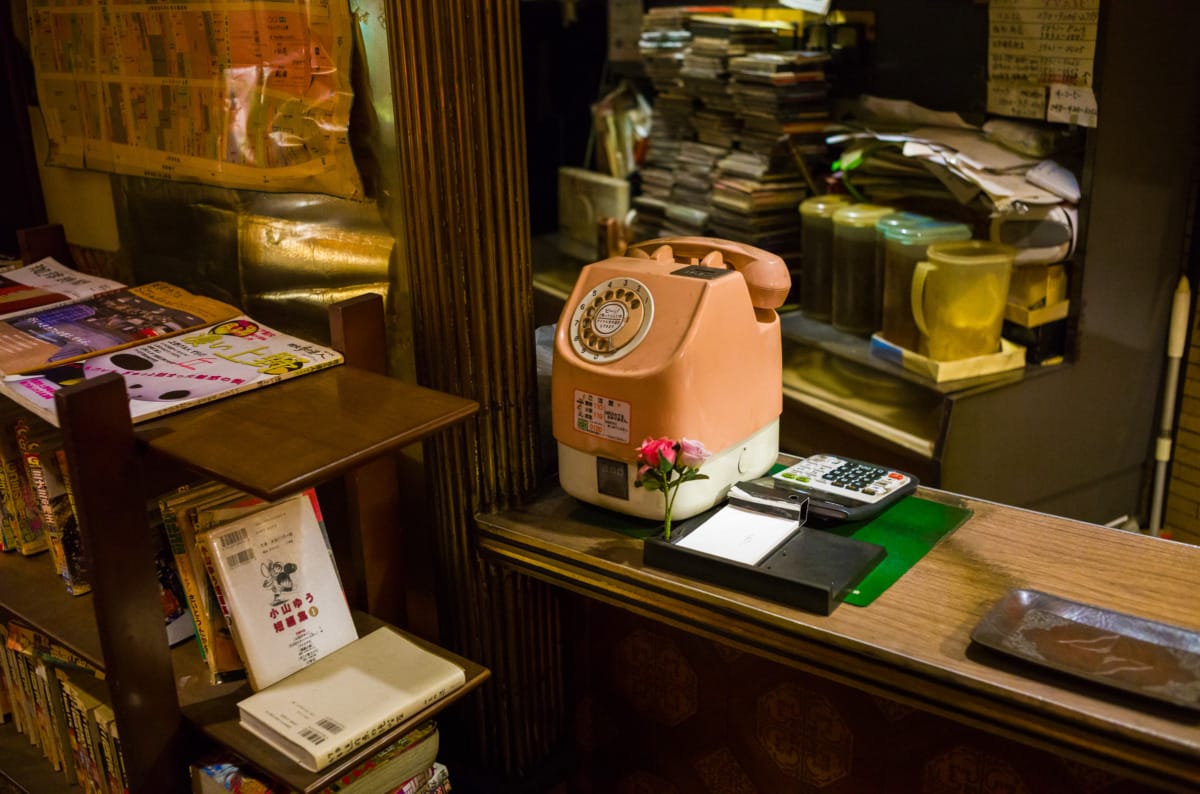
[913,643]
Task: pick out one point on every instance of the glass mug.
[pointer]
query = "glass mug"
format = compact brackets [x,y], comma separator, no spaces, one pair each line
[958,298]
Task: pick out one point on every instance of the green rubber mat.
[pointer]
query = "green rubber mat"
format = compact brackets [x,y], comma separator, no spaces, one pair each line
[908,530]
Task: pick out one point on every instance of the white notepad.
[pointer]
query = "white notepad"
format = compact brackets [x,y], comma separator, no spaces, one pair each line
[740,534]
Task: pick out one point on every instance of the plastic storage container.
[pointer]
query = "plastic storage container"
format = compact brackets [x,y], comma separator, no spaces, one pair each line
[958,298]
[816,243]
[904,245]
[857,286]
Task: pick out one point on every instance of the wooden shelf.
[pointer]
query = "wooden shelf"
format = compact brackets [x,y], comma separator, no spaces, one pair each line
[217,718]
[33,592]
[276,441]
[271,442]
[30,591]
[25,768]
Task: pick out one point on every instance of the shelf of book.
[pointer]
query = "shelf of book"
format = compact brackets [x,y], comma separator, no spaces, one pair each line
[338,424]
[32,592]
[217,718]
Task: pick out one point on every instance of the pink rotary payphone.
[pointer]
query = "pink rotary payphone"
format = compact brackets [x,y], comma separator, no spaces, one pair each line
[679,338]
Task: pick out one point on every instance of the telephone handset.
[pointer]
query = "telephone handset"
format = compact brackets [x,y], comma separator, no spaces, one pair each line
[765,273]
[616,314]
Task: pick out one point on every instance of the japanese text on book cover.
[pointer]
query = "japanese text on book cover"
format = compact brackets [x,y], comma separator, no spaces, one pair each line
[276,579]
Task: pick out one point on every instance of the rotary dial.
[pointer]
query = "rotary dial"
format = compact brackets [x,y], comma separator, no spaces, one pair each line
[612,319]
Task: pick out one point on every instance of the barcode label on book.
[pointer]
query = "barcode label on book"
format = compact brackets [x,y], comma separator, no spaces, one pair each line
[235,538]
[314,736]
[242,557]
[330,725]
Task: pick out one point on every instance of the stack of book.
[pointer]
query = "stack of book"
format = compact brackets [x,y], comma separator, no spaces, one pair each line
[705,75]
[174,349]
[760,211]
[698,126]
[262,580]
[407,766]
[782,111]
[687,211]
[663,43]
[715,40]
[782,101]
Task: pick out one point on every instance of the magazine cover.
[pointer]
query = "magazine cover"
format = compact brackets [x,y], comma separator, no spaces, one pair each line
[168,375]
[47,283]
[110,321]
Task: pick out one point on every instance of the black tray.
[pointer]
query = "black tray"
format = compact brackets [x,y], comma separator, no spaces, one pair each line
[812,570]
[1127,652]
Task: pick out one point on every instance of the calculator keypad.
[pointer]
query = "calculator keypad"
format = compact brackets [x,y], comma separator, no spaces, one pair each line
[853,480]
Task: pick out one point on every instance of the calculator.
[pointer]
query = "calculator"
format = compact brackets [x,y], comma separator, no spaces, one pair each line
[842,488]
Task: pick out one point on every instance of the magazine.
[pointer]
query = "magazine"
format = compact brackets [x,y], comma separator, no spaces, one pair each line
[102,323]
[168,375]
[45,284]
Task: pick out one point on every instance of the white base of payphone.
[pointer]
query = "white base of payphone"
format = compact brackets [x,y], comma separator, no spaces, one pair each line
[579,474]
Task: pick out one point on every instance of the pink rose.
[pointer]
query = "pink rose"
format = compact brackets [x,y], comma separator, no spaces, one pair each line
[655,450]
[692,453]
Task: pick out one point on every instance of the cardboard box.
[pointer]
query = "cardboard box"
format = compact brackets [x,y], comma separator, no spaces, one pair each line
[1035,286]
[1031,318]
[1010,356]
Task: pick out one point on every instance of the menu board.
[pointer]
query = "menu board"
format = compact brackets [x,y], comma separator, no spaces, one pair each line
[1041,56]
[250,94]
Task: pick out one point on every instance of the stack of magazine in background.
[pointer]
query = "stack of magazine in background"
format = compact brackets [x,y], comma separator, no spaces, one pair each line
[663,42]
[738,128]
[253,582]
[705,76]
[782,105]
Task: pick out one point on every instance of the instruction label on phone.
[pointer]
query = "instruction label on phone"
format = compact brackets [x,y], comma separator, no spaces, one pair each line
[602,416]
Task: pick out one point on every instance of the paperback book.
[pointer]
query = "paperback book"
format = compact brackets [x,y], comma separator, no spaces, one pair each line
[403,767]
[102,323]
[168,375]
[39,445]
[81,698]
[277,583]
[45,284]
[179,512]
[24,531]
[340,702]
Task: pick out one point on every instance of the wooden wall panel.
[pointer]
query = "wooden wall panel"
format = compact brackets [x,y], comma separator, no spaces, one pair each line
[465,244]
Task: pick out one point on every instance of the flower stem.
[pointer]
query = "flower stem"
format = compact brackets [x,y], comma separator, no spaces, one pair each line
[669,495]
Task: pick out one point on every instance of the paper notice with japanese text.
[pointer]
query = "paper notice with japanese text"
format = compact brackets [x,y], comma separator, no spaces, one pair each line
[251,94]
[1041,56]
